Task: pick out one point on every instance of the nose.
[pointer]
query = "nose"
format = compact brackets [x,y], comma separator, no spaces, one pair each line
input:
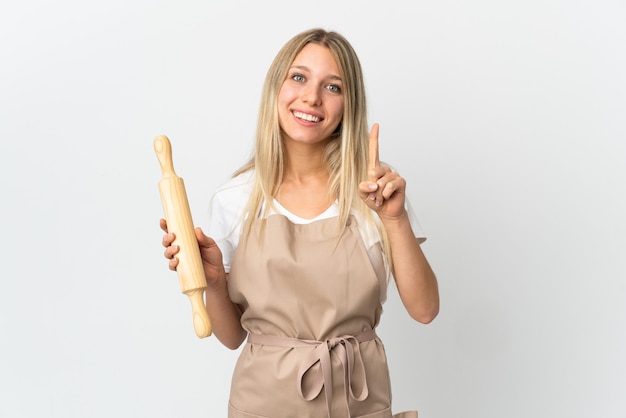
[312,96]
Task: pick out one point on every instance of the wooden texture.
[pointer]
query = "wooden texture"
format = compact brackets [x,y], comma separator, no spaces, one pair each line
[179,221]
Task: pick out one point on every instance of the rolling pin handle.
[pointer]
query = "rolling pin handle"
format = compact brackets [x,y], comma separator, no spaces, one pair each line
[201,321]
[163,149]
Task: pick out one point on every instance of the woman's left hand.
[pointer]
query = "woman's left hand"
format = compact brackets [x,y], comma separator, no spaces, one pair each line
[384,190]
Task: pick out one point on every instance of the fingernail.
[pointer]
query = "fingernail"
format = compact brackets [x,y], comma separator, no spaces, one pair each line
[373,186]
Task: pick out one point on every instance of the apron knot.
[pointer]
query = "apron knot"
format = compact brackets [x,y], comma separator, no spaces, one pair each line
[315,372]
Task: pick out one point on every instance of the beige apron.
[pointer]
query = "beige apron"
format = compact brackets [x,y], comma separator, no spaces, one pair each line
[311,302]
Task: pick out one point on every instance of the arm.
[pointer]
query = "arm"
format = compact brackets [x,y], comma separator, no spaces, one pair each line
[384,192]
[224,314]
[415,279]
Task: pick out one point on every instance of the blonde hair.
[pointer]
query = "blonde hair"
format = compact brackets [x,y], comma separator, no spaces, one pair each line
[346,154]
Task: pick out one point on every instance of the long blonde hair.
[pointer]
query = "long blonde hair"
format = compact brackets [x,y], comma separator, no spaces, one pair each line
[346,154]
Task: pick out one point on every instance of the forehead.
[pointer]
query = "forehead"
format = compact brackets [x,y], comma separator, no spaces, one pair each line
[317,58]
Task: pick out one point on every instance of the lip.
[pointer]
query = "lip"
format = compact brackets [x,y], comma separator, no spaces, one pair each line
[315,115]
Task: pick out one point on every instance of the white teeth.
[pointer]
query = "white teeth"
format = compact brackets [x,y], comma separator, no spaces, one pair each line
[307,117]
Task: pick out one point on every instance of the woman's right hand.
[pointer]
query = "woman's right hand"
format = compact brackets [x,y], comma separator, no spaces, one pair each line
[209,253]
[170,250]
[224,314]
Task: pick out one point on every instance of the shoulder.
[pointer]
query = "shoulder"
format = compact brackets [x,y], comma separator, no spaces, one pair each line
[229,202]
[241,184]
[235,192]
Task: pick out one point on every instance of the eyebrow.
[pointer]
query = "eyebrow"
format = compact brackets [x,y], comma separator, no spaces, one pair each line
[305,68]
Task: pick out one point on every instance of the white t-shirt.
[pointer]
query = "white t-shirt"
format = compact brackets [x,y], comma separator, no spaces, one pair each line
[226,221]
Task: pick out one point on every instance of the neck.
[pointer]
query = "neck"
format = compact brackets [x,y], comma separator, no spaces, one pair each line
[304,188]
[304,162]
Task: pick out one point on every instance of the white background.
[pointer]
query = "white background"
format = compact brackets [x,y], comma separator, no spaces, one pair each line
[506,117]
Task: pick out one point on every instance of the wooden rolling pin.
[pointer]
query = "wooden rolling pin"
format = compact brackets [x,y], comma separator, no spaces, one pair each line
[178,217]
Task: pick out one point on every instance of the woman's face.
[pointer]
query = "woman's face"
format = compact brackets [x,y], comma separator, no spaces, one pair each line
[310,101]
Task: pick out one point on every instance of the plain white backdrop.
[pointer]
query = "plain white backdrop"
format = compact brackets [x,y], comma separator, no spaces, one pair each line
[506,117]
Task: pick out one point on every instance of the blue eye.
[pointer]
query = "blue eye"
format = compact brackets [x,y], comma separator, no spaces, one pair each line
[334,88]
[297,77]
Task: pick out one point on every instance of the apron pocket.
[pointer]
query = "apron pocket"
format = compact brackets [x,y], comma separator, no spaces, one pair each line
[387,414]
[235,413]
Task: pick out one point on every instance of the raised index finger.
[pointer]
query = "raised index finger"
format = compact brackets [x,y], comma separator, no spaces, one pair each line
[373,161]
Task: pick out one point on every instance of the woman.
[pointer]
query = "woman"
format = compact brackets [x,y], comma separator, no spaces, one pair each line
[305,237]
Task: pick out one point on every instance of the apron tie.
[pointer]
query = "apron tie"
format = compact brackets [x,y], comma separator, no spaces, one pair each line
[312,380]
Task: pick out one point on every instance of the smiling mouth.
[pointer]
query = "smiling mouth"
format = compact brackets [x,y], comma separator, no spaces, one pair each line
[306,117]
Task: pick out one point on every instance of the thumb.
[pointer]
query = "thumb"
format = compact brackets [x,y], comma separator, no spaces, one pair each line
[203,240]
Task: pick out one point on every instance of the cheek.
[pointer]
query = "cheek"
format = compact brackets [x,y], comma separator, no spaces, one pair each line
[338,110]
[283,104]
[286,94]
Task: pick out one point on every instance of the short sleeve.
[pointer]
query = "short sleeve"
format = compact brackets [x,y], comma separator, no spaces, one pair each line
[415,224]
[226,215]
